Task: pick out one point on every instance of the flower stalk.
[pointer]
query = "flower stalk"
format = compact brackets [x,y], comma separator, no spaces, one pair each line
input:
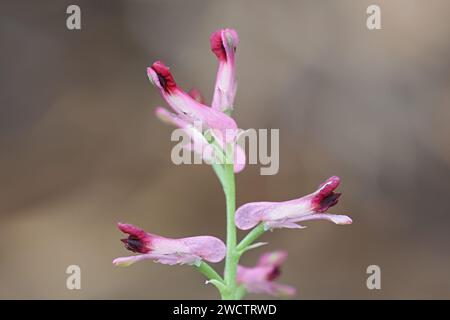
[214,134]
[250,238]
[232,257]
[209,272]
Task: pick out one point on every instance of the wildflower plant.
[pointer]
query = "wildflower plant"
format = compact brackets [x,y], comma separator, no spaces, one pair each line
[213,136]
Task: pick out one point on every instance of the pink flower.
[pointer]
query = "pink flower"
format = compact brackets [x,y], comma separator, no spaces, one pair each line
[223,44]
[169,251]
[196,95]
[198,142]
[286,214]
[260,279]
[190,110]
[195,118]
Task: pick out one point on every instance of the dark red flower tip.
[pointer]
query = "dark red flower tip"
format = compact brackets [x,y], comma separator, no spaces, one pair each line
[325,197]
[221,38]
[138,240]
[217,45]
[164,76]
[274,273]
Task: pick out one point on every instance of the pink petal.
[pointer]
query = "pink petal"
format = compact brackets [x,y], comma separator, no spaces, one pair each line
[209,248]
[188,108]
[189,250]
[292,223]
[223,44]
[277,224]
[127,261]
[286,214]
[250,214]
[199,144]
[335,218]
[196,95]
[182,259]
[170,118]
[160,258]
[239,159]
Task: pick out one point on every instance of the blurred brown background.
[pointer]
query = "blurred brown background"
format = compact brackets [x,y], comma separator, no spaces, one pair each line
[80,147]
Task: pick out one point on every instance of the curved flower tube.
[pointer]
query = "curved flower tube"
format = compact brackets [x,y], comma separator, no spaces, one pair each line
[288,213]
[222,126]
[190,250]
[223,45]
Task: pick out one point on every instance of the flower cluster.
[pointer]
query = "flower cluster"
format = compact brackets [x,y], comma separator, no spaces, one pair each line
[214,138]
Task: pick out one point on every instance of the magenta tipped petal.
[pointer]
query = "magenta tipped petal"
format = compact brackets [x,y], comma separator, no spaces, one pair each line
[188,108]
[287,214]
[223,44]
[191,250]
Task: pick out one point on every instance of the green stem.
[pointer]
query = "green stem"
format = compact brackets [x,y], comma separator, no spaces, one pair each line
[232,258]
[251,237]
[219,172]
[208,272]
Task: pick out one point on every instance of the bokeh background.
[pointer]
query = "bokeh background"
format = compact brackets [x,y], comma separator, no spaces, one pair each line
[80,147]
